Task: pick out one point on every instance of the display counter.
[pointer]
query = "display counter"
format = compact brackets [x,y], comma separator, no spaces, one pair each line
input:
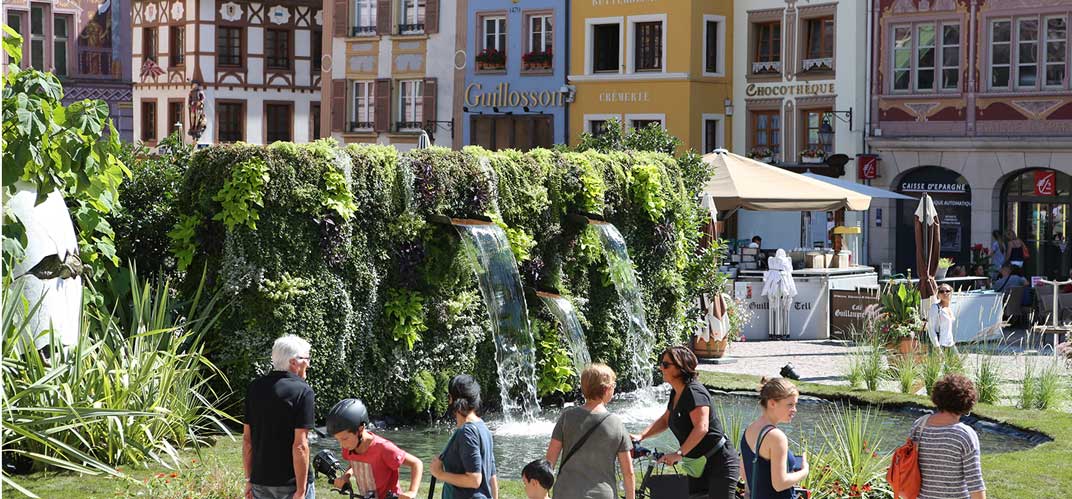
[809,317]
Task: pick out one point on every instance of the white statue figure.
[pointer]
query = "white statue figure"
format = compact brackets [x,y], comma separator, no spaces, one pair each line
[51,267]
[779,288]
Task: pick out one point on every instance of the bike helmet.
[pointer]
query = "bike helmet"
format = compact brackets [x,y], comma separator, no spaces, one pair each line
[347,415]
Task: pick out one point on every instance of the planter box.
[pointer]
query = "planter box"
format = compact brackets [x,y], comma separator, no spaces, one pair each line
[812,159]
[489,66]
[714,349]
[763,159]
[537,66]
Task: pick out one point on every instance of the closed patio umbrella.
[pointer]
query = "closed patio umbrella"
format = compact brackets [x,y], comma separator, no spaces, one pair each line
[928,244]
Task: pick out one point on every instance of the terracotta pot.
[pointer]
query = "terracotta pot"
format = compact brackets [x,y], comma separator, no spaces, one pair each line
[714,349]
[906,346]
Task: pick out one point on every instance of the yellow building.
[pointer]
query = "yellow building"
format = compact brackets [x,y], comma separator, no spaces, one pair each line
[664,61]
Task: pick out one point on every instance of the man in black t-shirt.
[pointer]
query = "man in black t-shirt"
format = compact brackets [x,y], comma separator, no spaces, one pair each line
[279,415]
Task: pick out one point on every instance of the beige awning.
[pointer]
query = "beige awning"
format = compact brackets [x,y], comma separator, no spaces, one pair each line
[740,182]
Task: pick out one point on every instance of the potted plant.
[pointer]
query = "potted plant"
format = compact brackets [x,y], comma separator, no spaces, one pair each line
[900,324]
[537,60]
[737,315]
[980,255]
[812,156]
[760,153]
[943,267]
[491,59]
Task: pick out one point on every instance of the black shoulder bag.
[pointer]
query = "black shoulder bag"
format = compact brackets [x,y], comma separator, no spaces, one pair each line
[584,438]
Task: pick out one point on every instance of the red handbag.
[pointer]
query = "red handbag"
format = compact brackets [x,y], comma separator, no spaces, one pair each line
[903,474]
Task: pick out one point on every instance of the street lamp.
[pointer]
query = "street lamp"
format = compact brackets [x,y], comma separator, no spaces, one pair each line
[826,133]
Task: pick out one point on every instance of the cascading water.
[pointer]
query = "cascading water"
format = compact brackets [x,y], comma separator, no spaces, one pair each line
[567,316]
[639,340]
[500,285]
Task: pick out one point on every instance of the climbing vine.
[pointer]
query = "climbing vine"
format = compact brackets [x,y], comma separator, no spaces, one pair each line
[242,194]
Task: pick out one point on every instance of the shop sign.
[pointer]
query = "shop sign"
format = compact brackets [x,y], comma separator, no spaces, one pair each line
[607,3]
[1045,183]
[867,166]
[641,96]
[934,187]
[848,311]
[502,96]
[789,89]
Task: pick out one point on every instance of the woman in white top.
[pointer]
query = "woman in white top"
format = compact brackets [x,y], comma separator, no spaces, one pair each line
[940,320]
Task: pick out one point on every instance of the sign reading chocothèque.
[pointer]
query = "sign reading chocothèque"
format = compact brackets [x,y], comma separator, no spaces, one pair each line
[806,89]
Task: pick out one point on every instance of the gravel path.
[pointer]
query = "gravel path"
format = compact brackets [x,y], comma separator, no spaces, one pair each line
[822,361]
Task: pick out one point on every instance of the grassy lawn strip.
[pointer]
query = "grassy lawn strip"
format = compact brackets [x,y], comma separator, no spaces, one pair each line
[225,455]
[1038,473]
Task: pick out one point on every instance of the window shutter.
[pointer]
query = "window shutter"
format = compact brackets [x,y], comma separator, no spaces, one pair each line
[383,18]
[338,105]
[429,99]
[383,105]
[431,17]
[342,20]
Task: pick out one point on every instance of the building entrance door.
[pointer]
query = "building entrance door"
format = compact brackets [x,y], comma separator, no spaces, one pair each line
[512,132]
[1037,204]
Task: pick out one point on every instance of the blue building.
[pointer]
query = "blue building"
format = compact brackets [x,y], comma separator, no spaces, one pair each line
[515,94]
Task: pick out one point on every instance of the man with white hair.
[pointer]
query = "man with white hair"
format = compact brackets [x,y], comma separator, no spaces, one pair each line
[279,415]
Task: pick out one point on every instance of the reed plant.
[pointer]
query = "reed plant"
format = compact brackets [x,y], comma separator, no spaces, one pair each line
[954,361]
[1051,386]
[851,438]
[734,423]
[854,368]
[873,366]
[1029,390]
[931,369]
[117,397]
[987,378]
[905,371]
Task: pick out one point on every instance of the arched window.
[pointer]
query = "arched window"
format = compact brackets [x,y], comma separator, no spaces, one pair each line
[1036,204]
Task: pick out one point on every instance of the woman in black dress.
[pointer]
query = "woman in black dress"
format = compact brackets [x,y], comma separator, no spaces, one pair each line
[690,415]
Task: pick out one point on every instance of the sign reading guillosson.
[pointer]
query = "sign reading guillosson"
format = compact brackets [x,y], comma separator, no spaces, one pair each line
[502,96]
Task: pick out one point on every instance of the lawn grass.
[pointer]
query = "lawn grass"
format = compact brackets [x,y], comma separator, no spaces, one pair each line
[1039,473]
[226,453]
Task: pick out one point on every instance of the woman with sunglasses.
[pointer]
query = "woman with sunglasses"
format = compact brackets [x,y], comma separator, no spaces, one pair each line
[690,415]
[940,320]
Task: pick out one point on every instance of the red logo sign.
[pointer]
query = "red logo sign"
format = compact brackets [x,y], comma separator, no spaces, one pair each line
[867,167]
[1045,183]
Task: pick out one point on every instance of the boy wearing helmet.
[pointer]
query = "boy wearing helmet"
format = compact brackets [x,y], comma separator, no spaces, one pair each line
[374,460]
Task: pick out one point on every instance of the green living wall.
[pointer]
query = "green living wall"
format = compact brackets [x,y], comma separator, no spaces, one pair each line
[341,246]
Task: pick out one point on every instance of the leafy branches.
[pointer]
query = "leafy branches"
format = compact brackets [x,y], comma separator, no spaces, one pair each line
[405,311]
[242,194]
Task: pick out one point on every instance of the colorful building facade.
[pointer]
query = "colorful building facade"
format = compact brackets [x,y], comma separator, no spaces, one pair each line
[971,102]
[800,98]
[252,68]
[86,43]
[660,61]
[393,72]
[515,73]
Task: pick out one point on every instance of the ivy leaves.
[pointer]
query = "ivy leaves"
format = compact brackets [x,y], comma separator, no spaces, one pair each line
[49,146]
[405,310]
[242,194]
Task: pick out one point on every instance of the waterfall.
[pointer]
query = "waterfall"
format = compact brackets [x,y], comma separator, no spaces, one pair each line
[639,340]
[563,311]
[500,285]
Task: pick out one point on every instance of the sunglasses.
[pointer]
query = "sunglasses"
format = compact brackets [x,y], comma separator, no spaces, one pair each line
[303,358]
[944,291]
[665,365]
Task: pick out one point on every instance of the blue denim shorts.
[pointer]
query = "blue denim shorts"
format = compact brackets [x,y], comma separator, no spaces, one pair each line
[281,492]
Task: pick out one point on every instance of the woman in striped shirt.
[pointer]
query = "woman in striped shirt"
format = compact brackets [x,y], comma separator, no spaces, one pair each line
[948,449]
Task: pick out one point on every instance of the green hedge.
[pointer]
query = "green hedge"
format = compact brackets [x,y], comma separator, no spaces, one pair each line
[338,245]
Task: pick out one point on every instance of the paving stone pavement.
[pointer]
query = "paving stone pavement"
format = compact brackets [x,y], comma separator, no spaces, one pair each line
[823,361]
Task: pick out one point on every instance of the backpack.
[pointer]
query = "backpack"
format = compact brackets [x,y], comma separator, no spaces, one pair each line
[903,474]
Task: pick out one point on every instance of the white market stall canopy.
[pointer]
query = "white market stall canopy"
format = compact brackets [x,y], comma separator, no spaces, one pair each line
[742,183]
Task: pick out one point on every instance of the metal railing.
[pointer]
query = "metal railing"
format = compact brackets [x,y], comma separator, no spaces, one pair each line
[409,125]
[405,29]
[362,30]
[361,125]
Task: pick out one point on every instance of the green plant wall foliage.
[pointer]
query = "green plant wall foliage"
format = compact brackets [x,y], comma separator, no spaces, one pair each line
[349,250]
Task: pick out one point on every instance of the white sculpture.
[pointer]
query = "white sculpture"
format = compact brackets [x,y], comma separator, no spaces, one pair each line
[50,268]
[779,288]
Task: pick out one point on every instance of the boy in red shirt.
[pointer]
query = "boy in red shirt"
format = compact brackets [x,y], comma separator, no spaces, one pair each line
[374,460]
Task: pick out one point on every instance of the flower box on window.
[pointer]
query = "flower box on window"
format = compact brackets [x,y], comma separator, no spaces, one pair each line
[813,156]
[762,154]
[491,59]
[537,60]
